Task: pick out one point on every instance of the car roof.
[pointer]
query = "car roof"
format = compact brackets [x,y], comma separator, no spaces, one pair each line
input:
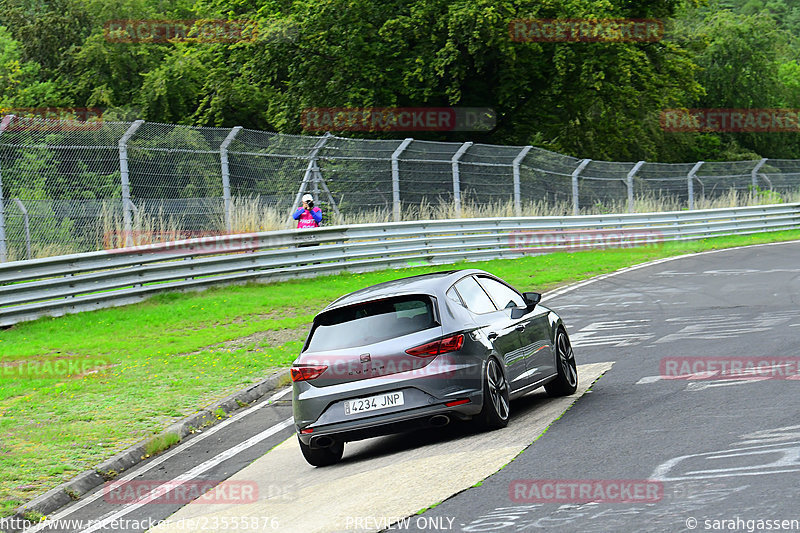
[432,283]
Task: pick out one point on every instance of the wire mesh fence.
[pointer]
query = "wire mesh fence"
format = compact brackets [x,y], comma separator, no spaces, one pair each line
[111,184]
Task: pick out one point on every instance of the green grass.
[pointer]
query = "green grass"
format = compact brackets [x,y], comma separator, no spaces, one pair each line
[94,383]
[159,443]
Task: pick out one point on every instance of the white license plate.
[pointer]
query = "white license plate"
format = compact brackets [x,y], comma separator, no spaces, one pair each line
[373,403]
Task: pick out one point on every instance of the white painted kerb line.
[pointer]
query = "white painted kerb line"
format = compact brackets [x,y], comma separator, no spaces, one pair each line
[192,474]
[158,460]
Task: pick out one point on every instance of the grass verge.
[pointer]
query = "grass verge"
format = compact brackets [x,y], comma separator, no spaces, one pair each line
[77,389]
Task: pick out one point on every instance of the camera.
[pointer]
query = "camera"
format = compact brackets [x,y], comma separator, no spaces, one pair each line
[310,203]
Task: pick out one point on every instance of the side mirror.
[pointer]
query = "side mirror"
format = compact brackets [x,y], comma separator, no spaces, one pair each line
[531,299]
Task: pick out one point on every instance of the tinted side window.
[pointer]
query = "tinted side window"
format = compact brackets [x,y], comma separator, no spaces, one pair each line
[453,295]
[474,296]
[503,295]
[371,322]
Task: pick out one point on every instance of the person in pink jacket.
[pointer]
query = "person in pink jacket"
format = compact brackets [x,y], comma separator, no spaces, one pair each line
[308,216]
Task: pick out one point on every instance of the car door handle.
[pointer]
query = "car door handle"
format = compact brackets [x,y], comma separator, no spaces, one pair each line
[520,327]
[491,336]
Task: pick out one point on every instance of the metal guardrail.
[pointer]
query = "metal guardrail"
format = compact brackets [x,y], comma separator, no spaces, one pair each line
[89,184]
[73,283]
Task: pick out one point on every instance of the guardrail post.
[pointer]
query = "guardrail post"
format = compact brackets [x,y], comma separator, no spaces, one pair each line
[754,173]
[125,181]
[629,184]
[517,190]
[457,178]
[3,246]
[396,178]
[27,223]
[226,179]
[690,182]
[576,208]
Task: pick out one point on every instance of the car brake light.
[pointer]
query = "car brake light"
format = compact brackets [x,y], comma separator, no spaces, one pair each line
[457,402]
[305,373]
[438,347]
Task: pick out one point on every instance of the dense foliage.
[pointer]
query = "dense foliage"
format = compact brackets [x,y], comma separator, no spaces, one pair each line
[601,100]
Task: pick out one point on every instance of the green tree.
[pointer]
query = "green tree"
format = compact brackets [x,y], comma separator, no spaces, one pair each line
[599,99]
[19,79]
[742,60]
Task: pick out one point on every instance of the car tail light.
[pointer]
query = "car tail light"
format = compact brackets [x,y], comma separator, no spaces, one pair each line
[457,402]
[306,373]
[438,347]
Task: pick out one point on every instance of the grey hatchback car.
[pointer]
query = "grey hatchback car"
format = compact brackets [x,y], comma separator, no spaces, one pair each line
[422,351]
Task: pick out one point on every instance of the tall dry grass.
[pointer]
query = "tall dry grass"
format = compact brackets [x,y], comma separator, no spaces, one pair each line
[252,215]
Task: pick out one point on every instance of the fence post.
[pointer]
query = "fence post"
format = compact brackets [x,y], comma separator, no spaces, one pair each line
[3,247]
[310,169]
[690,184]
[754,173]
[456,177]
[576,208]
[27,223]
[629,182]
[226,176]
[396,178]
[125,181]
[515,169]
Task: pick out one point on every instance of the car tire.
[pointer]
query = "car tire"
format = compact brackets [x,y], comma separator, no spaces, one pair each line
[566,382]
[322,456]
[495,411]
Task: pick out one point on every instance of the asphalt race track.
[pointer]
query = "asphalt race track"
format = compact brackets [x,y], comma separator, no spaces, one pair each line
[723,449]
[639,451]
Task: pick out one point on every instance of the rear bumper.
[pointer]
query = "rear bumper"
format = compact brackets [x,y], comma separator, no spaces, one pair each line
[395,422]
[321,409]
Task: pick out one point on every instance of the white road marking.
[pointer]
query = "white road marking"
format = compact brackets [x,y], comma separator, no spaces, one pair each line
[728,272]
[648,379]
[701,380]
[719,327]
[191,474]
[607,333]
[702,385]
[570,288]
[696,376]
[788,460]
[376,482]
[766,436]
[158,460]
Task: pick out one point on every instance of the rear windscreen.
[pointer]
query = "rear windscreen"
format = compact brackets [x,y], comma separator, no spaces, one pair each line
[371,322]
